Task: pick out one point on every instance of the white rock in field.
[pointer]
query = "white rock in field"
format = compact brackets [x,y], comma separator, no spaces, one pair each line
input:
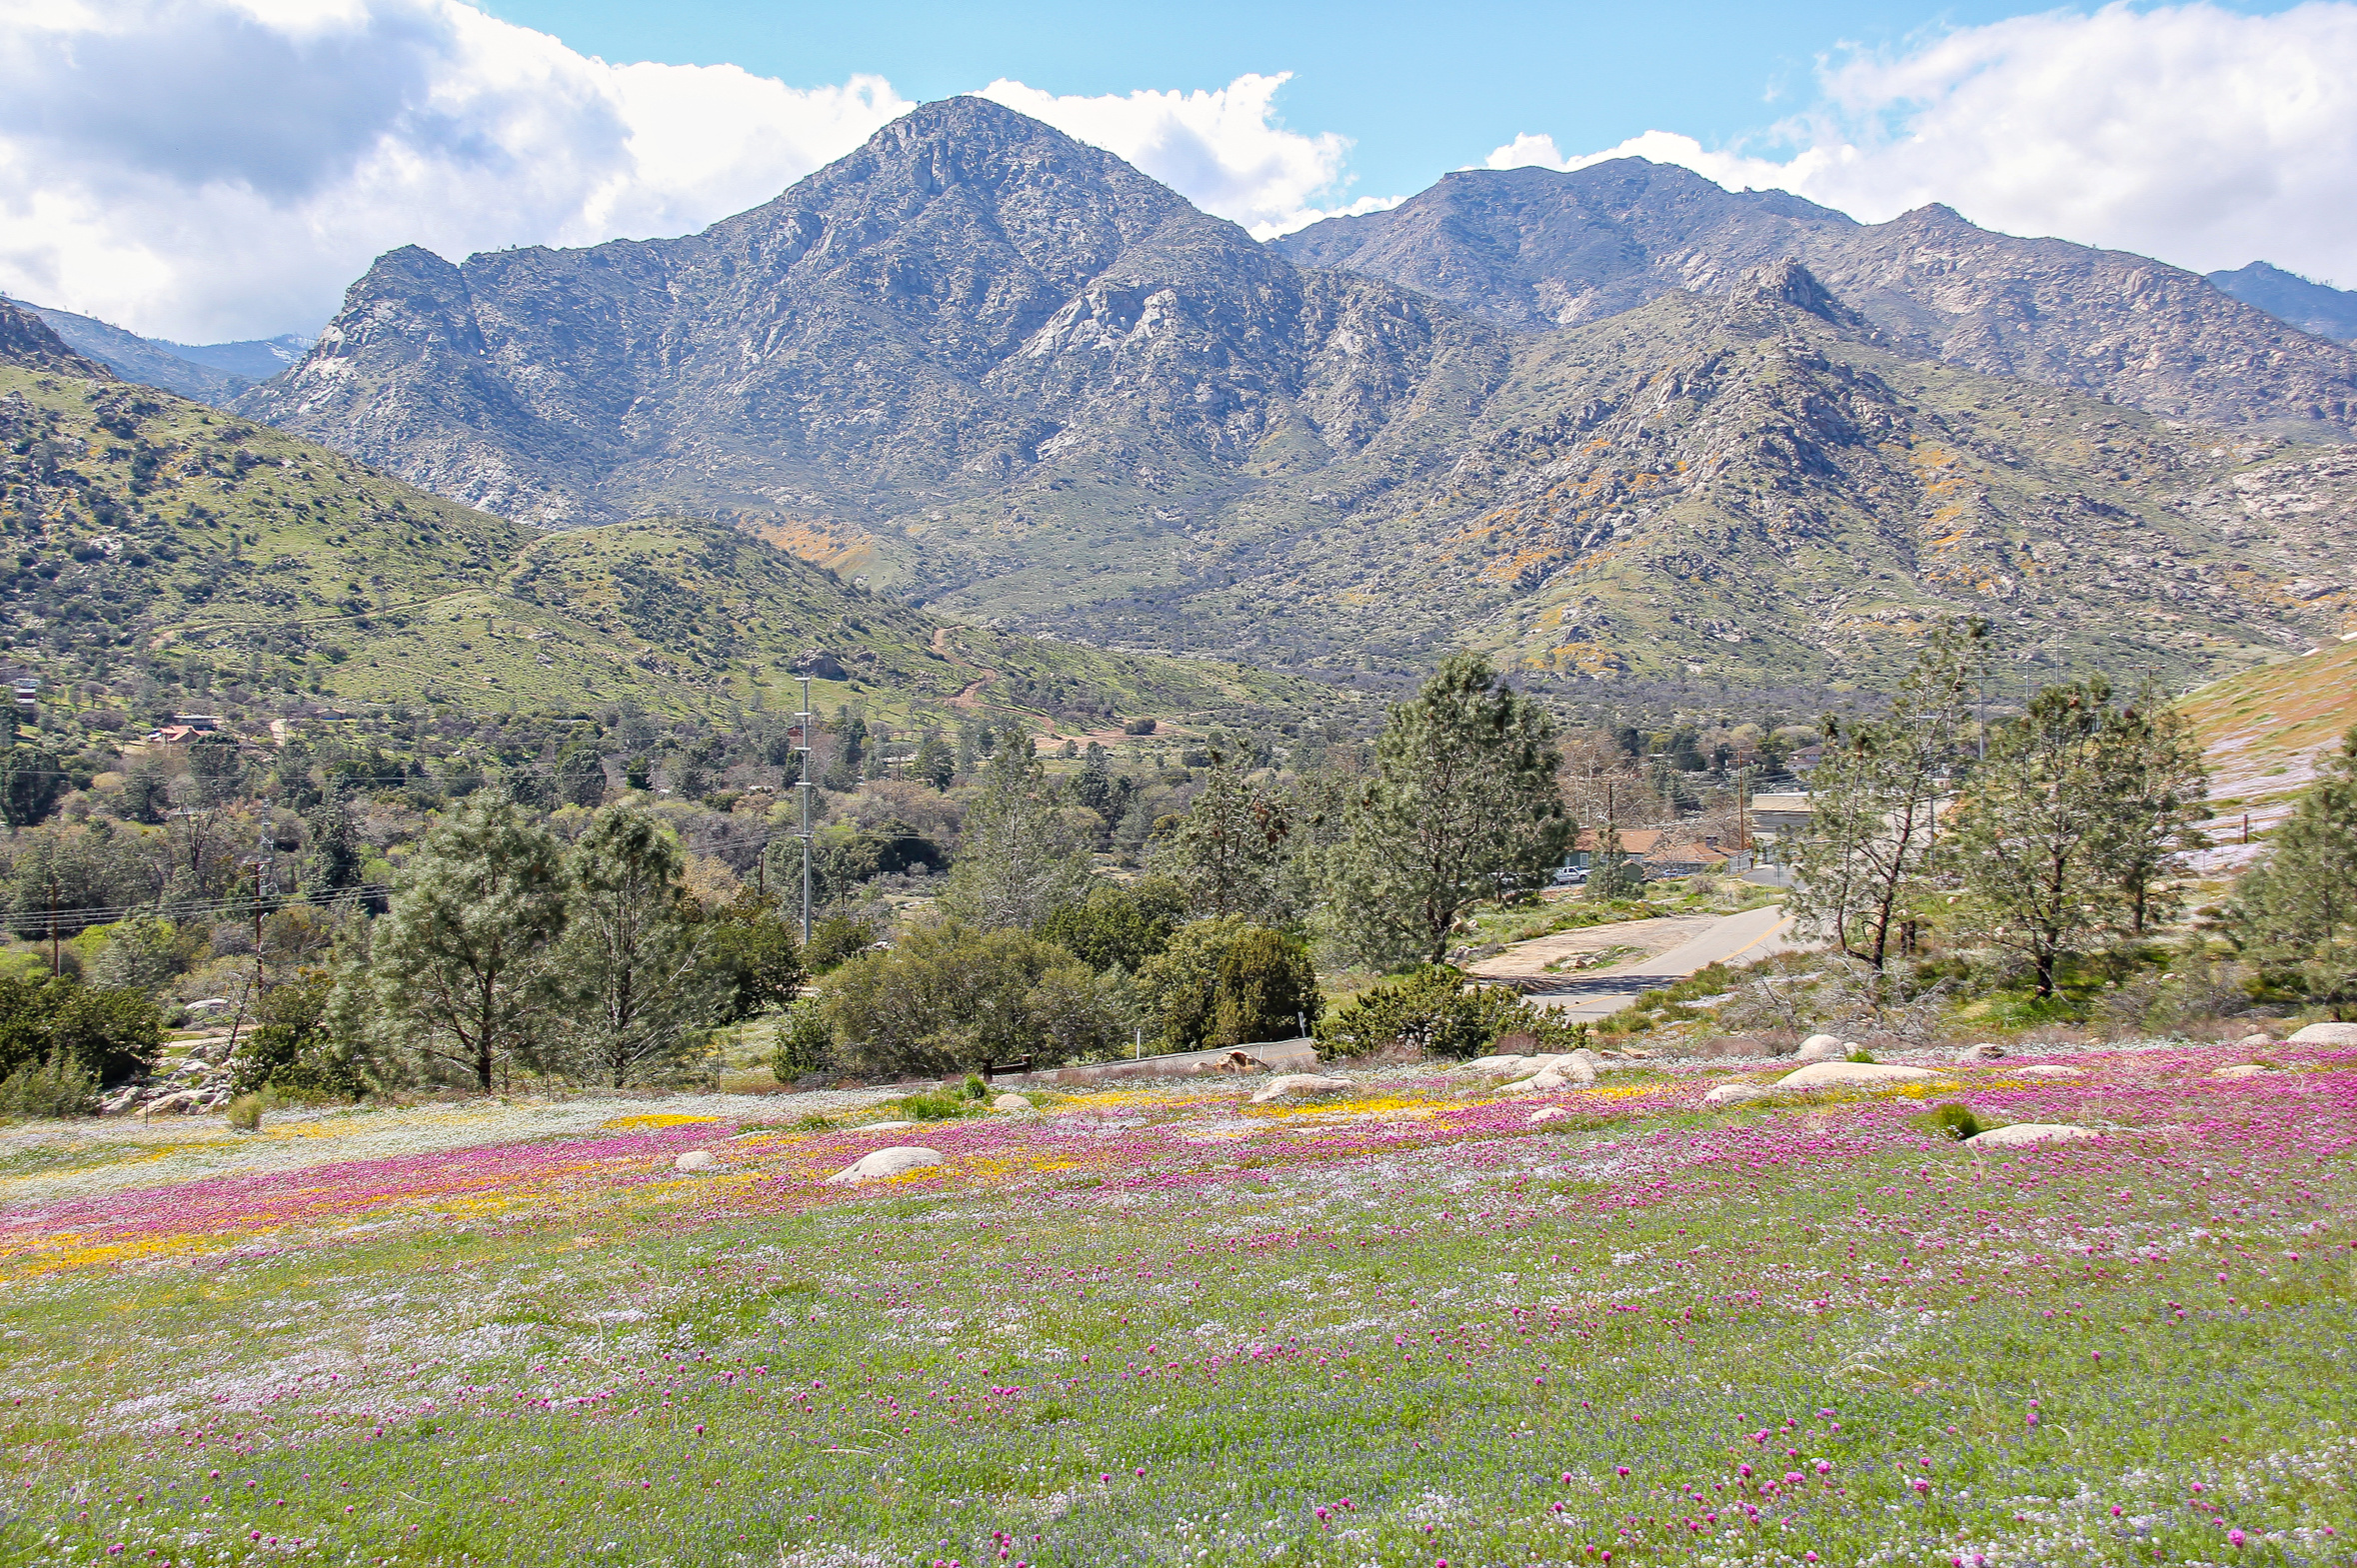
[1010,1102]
[2241,1069]
[2050,1069]
[1737,1094]
[1299,1086]
[1851,1075]
[694,1160]
[1820,1047]
[2024,1133]
[1497,1067]
[1982,1053]
[883,1165]
[120,1101]
[174,1104]
[1573,1070]
[1548,1113]
[884,1126]
[1548,1078]
[2326,1034]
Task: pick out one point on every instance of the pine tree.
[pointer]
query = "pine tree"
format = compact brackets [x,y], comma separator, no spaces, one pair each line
[631,950]
[2157,788]
[2029,826]
[1464,805]
[1017,861]
[1229,846]
[2295,909]
[462,967]
[1875,799]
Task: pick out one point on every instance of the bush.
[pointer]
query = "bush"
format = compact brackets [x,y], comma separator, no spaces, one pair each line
[950,998]
[805,1043]
[835,938]
[57,1086]
[751,958]
[1117,927]
[1432,1010]
[1139,727]
[1949,1122]
[245,1112]
[1267,986]
[293,1049]
[113,1034]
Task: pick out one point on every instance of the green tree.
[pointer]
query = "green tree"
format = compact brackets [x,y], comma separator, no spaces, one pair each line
[631,950]
[2152,773]
[1864,861]
[294,1046]
[835,938]
[113,1034]
[2295,911]
[1267,988]
[2025,845]
[1120,925]
[215,768]
[462,968]
[1464,806]
[1229,847]
[31,783]
[332,853]
[948,997]
[750,953]
[580,775]
[937,760]
[1017,861]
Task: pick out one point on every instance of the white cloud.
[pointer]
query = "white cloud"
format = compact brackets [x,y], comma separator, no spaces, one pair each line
[1223,149]
[202,169]
[2192,133]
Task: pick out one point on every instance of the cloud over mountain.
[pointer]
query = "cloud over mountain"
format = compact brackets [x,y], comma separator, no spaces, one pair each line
[204,169]
[2192,133]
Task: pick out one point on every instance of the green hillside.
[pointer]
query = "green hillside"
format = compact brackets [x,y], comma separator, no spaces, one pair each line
[149,527]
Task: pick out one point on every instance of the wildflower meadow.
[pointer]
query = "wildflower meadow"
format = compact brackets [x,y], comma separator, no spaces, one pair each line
[1407,1326]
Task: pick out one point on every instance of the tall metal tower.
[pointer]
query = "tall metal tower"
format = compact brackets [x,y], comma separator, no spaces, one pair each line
[805,786]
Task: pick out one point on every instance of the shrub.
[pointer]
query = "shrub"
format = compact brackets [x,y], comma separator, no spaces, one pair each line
[56,1087]
[1139,727]
[805,1043]
[245,1112]
[951,997]
[1267,986]
[1949,1122]
[1431,1009]
[1117,927]
[835,938]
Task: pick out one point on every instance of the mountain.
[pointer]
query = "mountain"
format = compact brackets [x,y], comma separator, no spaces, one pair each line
[1007,377]
[2312,307]
[146,521]
[208,371]
[1534,249]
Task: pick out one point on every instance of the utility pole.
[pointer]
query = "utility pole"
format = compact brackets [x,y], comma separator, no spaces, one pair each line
[803,787]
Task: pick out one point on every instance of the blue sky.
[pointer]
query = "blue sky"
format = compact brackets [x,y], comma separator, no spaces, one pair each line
[1419,89]
[212,169]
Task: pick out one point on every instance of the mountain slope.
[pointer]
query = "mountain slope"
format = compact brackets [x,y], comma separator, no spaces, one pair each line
[2312,307]
[138,359]
[969,304]
[1759,488]
[146,521]
[1530,248]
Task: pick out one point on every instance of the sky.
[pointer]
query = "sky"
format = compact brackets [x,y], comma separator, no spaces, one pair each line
[205,170]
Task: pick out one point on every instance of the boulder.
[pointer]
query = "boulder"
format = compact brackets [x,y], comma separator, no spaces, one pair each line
[120,1101]
[2326,1034]
[1982,1053]
[174,1104]
[1853,1075]
[2242,1069]
[1299,1086]
[1497,1067]
[1820,1047]
[1737,1094]
[1548,1113]
[884,1126]
[694,1159]
[2050,1069]
[883,1165]
[2023,1135]
[1010,1102]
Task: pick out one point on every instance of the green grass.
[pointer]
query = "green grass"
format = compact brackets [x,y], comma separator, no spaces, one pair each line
[1454,1356]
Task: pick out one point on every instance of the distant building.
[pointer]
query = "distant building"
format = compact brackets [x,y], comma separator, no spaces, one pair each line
[1665,851]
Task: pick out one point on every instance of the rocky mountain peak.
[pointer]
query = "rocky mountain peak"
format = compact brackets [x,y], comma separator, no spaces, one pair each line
[28,342]
[1788,281]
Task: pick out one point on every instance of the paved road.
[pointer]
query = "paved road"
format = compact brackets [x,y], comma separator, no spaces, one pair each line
[1737,938]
